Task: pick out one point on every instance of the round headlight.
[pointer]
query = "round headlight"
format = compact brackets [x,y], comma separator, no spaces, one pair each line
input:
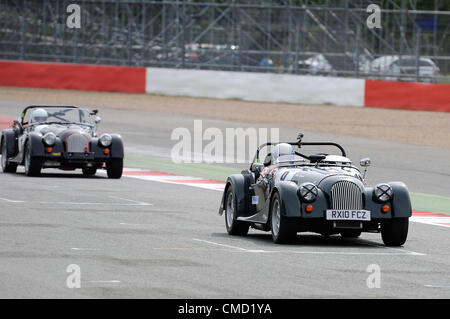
[105,140]
[308,192]
[49,139]
[383,192]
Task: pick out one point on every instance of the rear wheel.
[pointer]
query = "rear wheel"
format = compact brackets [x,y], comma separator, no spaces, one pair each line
[115,168]
[394,231]
[89,171]
[234,227]
[7,167]
[33,165]
[351,233]
[283,230]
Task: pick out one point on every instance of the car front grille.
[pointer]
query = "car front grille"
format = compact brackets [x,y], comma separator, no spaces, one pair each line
[77,143]
[346,195]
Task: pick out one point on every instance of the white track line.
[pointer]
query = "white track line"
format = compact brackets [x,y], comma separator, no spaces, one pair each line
[133,202]
[173,179]
[401,251]
[229,246]
[11,201]
[436,221]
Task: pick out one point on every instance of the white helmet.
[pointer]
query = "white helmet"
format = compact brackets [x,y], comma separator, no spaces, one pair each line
[39,115]
[281,149]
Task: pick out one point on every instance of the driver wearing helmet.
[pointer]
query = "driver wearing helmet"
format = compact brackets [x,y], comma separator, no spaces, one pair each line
[39,116]
[280,150]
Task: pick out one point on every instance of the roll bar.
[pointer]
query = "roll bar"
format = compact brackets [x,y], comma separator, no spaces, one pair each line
[299,144]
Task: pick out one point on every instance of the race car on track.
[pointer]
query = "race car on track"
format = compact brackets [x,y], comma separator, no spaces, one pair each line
[63,137]
[292,192]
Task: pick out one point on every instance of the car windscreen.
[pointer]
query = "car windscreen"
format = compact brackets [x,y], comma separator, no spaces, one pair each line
[290,159]
[60,115]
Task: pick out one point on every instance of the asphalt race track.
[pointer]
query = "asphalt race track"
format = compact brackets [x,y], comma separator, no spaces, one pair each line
[141,239]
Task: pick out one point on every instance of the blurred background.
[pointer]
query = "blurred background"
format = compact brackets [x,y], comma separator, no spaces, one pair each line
[321,37]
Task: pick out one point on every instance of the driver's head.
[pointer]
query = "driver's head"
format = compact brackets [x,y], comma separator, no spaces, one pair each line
[39,115]
[280,150]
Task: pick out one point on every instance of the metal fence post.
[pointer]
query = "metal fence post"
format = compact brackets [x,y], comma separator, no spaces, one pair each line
[418,36]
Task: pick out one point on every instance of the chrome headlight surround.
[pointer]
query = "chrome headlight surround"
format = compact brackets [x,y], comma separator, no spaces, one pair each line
[49,138]
[308,192]
[383,192]
[105,140]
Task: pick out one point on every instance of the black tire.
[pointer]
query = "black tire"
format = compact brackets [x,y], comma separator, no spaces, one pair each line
[7,167]
[283,230]
[89,171]
[33,165]
[350,233]
[234,226]
[114,168]
[394,231]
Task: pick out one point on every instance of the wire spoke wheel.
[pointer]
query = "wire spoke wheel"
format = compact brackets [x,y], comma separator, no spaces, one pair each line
[234,226]
[276,217]
[4,155]
[230,209]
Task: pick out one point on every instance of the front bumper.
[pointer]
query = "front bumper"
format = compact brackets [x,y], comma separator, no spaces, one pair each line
[74,159]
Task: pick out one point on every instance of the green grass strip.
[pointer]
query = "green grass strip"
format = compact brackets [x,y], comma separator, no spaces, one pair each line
[430,203]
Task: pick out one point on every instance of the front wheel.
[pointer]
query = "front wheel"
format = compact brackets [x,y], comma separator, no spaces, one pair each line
[6,166]
[33,165]
[283,230]
[114,168]
[234,227]
[394,231]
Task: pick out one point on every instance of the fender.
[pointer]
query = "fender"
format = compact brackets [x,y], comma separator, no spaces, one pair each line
[401,202]
[97,149]
[289,199]
[36,145]
[9,135]
[240,184]
[293,205]
[117,146]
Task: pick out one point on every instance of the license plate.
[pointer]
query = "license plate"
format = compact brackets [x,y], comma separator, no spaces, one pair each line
[336,214]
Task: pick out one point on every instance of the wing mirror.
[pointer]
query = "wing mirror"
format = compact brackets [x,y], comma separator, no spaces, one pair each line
[365,162]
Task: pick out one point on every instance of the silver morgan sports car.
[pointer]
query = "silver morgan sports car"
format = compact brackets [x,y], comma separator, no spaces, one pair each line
[63,137]
[292,192]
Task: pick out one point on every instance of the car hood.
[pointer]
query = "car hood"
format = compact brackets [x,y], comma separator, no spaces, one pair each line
[320,176]
[62,130]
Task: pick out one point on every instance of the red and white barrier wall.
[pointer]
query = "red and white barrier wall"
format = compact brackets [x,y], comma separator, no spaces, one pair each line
[262,87]
[72,76]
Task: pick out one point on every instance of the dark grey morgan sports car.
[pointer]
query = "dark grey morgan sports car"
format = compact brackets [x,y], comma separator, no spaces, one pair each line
[293,192]
[63,137]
